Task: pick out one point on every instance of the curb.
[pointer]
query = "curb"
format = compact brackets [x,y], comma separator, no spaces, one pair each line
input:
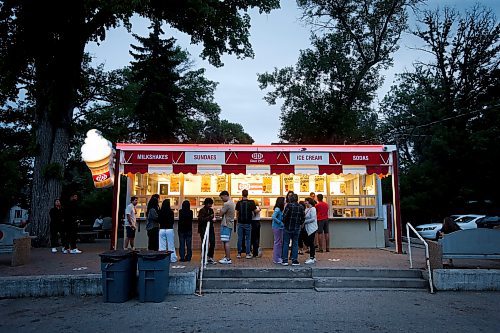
[181,283]
[467,279]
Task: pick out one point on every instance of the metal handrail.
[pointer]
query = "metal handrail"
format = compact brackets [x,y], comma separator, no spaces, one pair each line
[408,227]
[204,255]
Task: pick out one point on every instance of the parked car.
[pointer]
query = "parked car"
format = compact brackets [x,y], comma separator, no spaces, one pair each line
[431,230]
[489,222]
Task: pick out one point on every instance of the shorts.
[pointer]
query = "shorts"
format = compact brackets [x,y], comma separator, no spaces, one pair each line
[130,232]
[323,227]
[225,233]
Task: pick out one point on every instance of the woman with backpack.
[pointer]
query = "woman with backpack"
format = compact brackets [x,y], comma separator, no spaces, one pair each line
[310,226]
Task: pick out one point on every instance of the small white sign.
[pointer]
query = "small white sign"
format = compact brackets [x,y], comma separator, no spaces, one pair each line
[309,158]
[205,157]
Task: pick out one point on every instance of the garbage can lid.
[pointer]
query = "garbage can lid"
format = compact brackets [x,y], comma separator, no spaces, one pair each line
[154,255]
[115,254]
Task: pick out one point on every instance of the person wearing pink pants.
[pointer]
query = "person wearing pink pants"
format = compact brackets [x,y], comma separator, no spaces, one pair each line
[278,229]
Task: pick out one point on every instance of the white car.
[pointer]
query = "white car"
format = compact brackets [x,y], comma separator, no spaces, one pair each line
[431,230]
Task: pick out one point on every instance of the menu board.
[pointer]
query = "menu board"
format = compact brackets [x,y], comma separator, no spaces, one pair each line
[174,183]
[206,183]
[267,184]
[221,183]
[304,183]
[288,182]
[319,183]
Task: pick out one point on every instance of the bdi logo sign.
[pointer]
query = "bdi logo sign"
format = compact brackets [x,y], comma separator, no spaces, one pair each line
[257,158]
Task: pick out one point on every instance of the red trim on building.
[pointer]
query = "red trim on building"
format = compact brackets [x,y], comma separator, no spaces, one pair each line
[185,168]
[279,169]
[377,169]
[236,169]
[330,169]
[135,168]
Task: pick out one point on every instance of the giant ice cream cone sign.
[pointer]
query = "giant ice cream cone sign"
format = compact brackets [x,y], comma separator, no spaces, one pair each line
[97,153]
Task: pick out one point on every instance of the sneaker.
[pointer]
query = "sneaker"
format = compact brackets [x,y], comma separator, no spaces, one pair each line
[320,250]
[238,256]
[310,261]
[285,263]
[54,250]
[211,261]
[64,251]
[295,263]
[75,251]
[259,255]
[327,250]
[279,262]
[249,256]
[226,261]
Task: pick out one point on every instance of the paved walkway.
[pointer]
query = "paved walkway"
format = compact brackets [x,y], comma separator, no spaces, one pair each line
[43,262]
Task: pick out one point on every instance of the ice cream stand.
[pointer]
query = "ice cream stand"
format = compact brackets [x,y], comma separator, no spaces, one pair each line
[349,177]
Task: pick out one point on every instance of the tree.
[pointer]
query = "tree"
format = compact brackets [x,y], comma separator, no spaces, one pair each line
[48,38]
[444,115]
[327,95]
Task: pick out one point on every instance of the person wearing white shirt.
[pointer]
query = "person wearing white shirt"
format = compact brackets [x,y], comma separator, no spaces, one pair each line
[130,222]
[311,226]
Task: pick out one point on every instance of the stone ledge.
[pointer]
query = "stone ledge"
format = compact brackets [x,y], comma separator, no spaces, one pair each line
[181,283]
[467,279]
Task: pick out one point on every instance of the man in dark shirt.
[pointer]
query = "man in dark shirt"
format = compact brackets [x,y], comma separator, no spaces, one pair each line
[293,218]
[205,215]
[245,209]
[70,225]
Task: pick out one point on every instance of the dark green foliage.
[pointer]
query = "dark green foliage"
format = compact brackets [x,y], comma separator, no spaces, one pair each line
[328,94]
[444,116]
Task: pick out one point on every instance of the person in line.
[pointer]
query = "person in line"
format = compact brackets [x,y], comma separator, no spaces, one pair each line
[226,225]
[288,197]
[130,223]
[277,227]
[71,225]
[56,224]
[449,226]
[293,218]
[205,215]
[303,234]
[185,231]
[152,225]
[255,233]
[245,209]
[166,241]
[312,195]
[323,234]
[310,226]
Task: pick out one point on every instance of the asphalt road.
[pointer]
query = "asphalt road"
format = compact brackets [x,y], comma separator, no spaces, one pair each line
[341,311]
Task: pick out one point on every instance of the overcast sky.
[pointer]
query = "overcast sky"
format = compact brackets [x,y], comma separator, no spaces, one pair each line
[276,39]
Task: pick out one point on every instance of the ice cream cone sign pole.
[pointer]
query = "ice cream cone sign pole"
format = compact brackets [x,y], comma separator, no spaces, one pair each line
[98,153]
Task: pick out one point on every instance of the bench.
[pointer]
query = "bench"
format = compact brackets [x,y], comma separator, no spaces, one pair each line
[16,241]
[471,244]
[87,236]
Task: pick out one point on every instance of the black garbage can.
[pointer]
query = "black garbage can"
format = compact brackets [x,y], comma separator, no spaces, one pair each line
[153,268]
[119,275]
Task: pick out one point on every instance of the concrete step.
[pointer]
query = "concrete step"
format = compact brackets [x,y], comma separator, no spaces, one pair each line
[284,272]
[369,282]
[255,291]
[258,283]
[366,272]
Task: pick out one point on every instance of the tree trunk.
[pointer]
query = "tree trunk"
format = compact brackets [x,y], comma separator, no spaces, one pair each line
[53,148]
